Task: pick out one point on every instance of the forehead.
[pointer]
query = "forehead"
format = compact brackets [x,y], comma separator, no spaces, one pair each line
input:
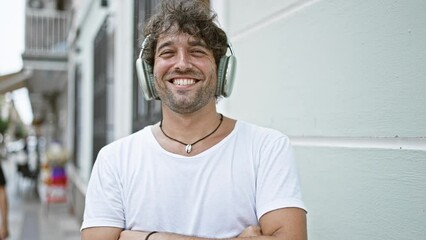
[172,39]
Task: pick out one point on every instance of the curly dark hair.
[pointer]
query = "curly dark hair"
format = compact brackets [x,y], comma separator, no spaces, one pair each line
[193,17]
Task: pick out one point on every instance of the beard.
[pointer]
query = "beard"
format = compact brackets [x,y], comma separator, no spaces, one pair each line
[183,101]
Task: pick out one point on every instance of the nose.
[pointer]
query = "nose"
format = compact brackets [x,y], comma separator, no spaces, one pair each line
[183,62]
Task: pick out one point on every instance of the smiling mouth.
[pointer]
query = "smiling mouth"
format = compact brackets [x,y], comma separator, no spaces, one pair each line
[183,81]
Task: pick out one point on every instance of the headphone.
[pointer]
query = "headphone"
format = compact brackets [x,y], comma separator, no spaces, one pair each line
[225,74]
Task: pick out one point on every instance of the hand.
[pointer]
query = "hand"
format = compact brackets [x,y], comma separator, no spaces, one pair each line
[132,235]
[4,232]
[251,231]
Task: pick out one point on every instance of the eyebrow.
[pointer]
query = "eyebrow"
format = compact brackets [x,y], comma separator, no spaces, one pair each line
[197,42]
[191,42]
[163,45]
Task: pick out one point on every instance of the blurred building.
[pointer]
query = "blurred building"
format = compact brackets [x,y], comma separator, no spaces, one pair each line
[104,96]
[47,24]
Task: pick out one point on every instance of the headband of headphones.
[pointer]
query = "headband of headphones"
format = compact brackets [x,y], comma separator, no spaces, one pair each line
[225,74]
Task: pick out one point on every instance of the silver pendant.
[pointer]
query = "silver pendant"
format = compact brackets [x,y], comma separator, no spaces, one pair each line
[188,148]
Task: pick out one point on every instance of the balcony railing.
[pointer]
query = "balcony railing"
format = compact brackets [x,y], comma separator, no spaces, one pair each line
[46,33]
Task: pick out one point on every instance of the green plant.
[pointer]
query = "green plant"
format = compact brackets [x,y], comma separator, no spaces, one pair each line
[4,124]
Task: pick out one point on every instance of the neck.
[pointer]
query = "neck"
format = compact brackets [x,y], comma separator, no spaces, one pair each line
[188,145]
[189,127]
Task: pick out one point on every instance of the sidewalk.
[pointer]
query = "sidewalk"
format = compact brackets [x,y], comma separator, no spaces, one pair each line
[29,219]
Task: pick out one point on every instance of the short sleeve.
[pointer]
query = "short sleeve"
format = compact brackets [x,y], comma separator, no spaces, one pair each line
[104,202]
[278,179]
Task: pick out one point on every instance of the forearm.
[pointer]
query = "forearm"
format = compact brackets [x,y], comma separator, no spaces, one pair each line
[101,233]
[281,224]
[172,236]
[3,207]
[4,228]
[252,233]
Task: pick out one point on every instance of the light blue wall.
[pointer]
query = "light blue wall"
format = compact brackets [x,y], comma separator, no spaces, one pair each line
[364,193]
[331,69]
[335,68]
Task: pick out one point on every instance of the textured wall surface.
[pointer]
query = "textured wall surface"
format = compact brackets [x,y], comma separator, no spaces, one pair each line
[364,194]
[349,78]
[335,68]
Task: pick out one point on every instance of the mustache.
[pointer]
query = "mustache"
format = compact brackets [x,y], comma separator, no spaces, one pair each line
[188,73]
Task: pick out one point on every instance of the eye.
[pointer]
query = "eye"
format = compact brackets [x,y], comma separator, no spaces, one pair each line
[166,53]
[198,52]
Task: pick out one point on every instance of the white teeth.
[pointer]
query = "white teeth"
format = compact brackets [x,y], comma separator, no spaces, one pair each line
[183,82]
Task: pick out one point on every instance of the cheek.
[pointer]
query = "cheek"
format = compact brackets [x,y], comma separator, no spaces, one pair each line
[208,67]
[160,68]
[213,73]
[158,83]
[156,70]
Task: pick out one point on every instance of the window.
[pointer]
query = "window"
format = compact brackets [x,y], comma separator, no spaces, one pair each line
[144,112]
[103,83]
[77,110]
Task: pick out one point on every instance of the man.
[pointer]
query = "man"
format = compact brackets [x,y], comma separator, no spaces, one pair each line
[4,229]
[197,173]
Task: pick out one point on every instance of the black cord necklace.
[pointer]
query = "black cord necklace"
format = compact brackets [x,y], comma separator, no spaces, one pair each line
[188,146]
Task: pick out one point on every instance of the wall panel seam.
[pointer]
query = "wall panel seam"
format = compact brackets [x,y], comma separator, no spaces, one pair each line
[272,18]
[400,143]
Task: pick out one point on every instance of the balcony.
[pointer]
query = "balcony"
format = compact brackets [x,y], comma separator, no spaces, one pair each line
[46,57]
[46,34]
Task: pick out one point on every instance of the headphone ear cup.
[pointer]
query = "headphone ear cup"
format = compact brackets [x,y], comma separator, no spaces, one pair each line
[146,79]
[149,73]
[221,69]
[226,75]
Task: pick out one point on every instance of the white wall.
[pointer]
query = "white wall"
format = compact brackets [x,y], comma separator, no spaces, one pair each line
[90,16]
[124,63]
[347,76]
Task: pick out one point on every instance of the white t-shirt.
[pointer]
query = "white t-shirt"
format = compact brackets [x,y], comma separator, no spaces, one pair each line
[137,185]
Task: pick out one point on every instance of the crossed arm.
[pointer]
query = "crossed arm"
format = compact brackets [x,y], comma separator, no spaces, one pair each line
[280,224]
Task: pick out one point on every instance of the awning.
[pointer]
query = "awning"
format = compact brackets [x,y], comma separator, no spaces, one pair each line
[14,81]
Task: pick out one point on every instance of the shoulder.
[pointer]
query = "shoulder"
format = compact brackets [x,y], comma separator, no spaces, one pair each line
[126,144]
[260,133]
[264,142]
